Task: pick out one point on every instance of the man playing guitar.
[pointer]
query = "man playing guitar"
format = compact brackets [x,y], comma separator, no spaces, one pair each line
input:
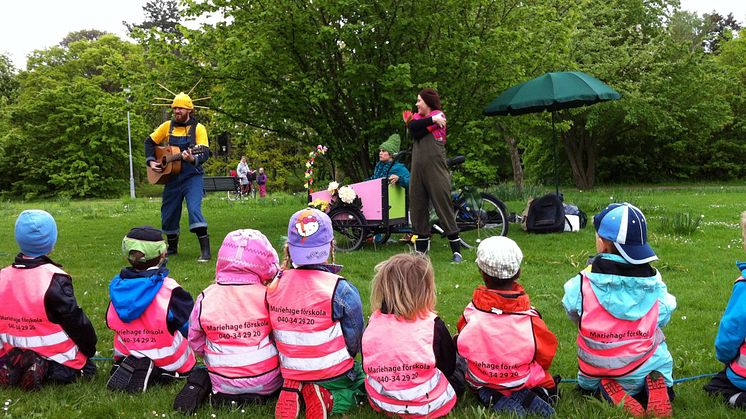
[184,132]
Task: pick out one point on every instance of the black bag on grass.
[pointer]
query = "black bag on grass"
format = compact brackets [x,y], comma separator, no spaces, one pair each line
[546,214]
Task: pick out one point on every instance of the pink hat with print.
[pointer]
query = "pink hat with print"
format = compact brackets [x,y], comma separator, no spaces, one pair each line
[246,256]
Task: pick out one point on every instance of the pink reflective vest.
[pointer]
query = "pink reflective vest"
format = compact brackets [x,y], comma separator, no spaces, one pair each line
[148,335]
[738,365]
[399,361]
[499,348]
[236,325]
[311,344]
[23,319]
[612,347]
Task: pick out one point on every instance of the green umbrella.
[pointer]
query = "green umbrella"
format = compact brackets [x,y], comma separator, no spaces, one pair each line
[551,92]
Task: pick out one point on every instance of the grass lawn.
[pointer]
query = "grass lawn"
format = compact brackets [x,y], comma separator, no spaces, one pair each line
[699,270]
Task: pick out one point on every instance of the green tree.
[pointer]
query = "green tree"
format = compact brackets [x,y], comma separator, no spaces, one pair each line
[70,126]
[340,72]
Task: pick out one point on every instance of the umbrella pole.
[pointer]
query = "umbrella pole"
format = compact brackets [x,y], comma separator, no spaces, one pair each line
[556,172]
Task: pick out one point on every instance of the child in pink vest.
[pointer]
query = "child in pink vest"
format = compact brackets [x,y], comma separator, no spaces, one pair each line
[620,305]
[317,322]
[149,314]
[408,380]
[229,328]
[730,342]
[44,334]
[506,344]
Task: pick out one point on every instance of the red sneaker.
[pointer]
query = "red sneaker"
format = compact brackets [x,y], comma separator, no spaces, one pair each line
[319,401]
[288,404]
[615,394]
[659,405]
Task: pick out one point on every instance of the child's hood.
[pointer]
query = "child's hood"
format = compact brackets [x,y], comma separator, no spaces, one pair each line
[626,297]
[132,291]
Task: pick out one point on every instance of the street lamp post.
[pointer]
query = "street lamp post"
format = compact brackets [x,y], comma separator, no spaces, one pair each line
[129,142]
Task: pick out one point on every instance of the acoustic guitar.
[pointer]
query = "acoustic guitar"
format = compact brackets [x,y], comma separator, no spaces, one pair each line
[170,159]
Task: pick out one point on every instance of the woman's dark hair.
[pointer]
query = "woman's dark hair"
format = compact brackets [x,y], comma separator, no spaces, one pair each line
[431,98]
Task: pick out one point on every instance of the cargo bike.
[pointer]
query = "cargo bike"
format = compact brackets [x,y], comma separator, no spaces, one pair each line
[381,209]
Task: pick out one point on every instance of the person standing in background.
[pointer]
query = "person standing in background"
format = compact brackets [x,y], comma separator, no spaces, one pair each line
[261,181]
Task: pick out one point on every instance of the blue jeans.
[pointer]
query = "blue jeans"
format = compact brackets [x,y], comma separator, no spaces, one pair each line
[182,188]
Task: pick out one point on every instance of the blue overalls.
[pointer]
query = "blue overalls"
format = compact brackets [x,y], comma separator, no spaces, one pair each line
[187,185]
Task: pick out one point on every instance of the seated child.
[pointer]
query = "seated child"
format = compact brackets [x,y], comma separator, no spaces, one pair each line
[229,327]
[149,314]
[730,348]
[317,322]
[45,335]
[620,305]
[507,345]
[408,353]
[386,166]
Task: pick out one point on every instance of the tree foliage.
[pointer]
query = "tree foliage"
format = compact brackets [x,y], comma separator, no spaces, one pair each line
[287,75]
[69,133]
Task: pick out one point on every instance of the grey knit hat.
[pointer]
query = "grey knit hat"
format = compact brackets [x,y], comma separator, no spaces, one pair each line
[499,257]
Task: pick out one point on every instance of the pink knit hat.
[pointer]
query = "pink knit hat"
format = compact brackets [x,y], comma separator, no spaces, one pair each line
[246,257]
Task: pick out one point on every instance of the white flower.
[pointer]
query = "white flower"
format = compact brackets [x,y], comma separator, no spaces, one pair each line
[333,186]
[347,194]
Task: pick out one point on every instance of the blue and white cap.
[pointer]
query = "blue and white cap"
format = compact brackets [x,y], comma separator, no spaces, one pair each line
[625,225]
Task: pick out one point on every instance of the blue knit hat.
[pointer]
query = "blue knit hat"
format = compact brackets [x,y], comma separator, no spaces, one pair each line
[36,233]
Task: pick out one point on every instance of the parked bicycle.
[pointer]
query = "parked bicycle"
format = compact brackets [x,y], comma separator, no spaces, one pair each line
[382,210]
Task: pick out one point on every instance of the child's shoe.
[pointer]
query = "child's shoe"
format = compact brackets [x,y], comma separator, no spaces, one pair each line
[659,405]
[511,405]
[133,375]
[288,404]
[318,400]
[11,370]
[533,403]
[615,394]
[195,390]
[34,376]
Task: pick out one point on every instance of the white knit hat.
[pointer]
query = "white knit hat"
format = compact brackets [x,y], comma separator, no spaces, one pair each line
[499,257]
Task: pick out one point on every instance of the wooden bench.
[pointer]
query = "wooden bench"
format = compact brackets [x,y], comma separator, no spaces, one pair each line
[222,184]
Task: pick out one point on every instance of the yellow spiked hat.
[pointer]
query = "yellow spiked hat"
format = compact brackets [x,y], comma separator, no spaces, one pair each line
[182,100]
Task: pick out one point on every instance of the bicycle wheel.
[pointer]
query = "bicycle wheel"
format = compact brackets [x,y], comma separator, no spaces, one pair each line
[488,219]
[349,229]
[232,195]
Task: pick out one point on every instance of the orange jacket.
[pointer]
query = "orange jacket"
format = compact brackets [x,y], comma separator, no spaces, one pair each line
[516,300]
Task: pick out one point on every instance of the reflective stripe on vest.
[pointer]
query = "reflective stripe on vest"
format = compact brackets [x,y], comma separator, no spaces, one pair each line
[23,319]
[499,347]
[612,347]
[404,379]
[236,325]
[310,343]
[148,335]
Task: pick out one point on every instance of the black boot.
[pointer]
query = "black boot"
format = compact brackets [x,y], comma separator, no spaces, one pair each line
[422,244]
[204,248]
[173,244]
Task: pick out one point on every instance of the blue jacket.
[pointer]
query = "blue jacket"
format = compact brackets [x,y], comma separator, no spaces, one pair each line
[132,291]
[627,292]
[398,169]
[732,329]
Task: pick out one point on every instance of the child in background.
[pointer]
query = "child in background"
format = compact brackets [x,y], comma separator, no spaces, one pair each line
[408,353]
[149,314]
[620,305]
[44,334]
[507,346]
[730,346]
[317,322]
[261,180]
[229,327]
